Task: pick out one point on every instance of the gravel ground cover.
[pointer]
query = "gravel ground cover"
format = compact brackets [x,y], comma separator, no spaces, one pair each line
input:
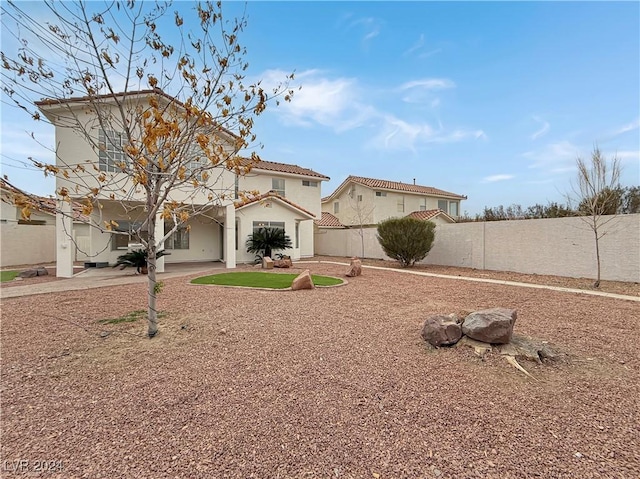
[331,382]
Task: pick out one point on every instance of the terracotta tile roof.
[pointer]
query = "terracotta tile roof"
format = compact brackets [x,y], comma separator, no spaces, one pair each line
[429,214]
[327,220]
[394,186]
[284,168]
[270,194]
[61,101]
[39,203]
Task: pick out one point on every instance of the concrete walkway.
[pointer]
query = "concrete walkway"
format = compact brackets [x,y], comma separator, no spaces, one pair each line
[496,281]
[101,277]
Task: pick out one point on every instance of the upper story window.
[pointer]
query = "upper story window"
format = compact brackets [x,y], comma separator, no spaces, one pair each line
[309,183]
[423,204]
[401,204]
[110,154]
[336,207]
[277,185]
[450,207]
[359,197]
[381,193]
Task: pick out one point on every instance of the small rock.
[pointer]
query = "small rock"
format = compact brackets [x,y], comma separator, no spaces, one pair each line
[282,263]
[104,334]
[223,332]
[355,268]
[441,330]
[267,263]
[578,455]
[42,271]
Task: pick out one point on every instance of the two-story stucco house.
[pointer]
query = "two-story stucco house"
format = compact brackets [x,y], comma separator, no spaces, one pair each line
[368,201]
[286,196]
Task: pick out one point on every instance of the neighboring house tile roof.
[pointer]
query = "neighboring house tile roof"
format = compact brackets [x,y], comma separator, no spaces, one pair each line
[429,214]
[327,220]
[41,204]
[273,195]
[394,186]
[283,168]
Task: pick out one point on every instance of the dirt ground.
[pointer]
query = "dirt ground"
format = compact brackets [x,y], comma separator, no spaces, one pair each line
[333,382]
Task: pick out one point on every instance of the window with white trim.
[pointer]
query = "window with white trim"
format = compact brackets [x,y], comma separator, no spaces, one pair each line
[400,204]
[297,234]
[179,239]
[129,228]
[423,204]
[277,185]
[336,207]
[381,193]
[449,207]
[111,156]
[267,224]
[310,183]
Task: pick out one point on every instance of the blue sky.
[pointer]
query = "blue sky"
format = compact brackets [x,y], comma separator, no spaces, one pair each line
[490,100]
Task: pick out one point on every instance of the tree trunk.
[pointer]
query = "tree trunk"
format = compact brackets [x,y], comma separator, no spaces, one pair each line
[596,284]
[151,266]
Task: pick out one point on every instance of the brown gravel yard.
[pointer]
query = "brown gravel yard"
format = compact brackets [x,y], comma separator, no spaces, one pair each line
[334,382]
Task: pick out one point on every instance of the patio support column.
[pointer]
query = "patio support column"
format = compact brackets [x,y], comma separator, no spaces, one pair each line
[230,236]
[65,247]
[159,236]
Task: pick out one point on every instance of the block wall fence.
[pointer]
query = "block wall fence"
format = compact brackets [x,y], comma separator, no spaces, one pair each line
[553,246]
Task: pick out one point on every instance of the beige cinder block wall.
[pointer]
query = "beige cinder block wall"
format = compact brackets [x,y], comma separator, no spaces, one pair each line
[554,246]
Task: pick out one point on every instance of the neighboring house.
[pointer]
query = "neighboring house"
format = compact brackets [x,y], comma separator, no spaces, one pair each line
[24,241]
[218,235]
[368,201]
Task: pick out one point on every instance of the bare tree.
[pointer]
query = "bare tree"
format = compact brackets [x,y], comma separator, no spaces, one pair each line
[160,98]
[361,214]
[597,197]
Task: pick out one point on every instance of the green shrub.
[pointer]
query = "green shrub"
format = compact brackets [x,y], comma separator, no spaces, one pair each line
[406,239]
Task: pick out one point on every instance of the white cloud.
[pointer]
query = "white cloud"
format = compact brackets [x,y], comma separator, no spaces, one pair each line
[634,125]
[543,129]
[555,157]
[398,134]
[418,48]
[494,178]
[429,84]
[421,91]
[331,102]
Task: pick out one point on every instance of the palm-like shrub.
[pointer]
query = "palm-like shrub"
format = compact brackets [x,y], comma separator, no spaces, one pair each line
[266,240]
[406,239]
[137,259]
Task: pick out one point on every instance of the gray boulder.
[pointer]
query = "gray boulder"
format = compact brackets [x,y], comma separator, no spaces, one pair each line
[28,273]
[442,330]
[42,271]
[493,325]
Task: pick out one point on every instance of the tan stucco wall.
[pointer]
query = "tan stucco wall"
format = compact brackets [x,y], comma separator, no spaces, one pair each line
[559,246]
[27,244]
[374,209]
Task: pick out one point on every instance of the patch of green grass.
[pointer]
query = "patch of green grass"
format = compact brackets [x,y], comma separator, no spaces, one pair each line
[254,279]
[8,275]
[130,317]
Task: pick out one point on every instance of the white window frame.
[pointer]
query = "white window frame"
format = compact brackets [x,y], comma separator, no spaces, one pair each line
[336,207]
[110,151]
[381,193]
[278,185]
[179,239]
[310,183]
[400,204]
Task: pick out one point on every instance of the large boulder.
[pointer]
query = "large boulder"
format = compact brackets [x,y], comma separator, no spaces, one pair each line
[302,281]
[442,330]
[267,263]
[493,325]
[355,268]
